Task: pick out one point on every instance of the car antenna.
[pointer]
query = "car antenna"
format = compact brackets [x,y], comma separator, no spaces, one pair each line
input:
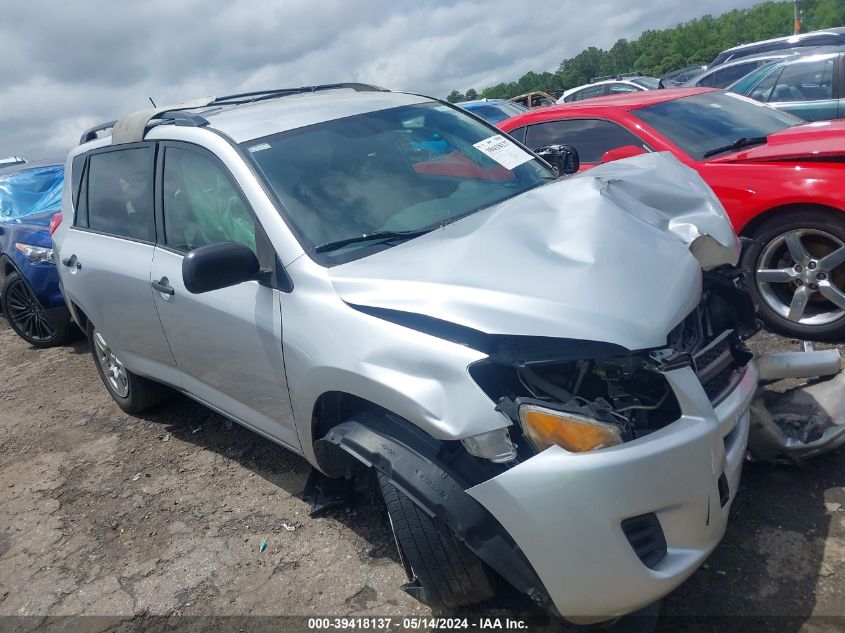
[153,102]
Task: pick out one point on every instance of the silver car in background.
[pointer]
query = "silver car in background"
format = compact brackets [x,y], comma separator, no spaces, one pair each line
[548,374]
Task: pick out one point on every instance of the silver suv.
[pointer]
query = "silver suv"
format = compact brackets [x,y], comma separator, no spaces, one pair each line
[550,388]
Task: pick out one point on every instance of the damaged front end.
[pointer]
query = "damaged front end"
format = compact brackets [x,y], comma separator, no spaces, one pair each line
[636,456]
[613,396]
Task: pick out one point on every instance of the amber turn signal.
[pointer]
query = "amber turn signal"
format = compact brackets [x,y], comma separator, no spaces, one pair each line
[572,432]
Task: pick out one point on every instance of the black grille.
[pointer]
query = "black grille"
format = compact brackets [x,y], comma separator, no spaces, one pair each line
[645,535]
[716,365]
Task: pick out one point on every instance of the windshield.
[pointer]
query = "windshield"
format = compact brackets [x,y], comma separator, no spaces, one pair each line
[405,169]
[704,122]
[31,191]
[650,83]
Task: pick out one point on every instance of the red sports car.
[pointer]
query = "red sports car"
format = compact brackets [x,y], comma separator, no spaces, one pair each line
[781,180]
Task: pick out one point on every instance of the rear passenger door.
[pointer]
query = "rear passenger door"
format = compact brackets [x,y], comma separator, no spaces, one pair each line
[107,255]
[227,342]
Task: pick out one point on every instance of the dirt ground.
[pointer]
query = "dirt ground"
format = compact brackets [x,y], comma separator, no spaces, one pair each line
[102,513]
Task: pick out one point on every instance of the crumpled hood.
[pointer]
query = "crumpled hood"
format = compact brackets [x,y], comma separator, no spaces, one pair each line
[606,255]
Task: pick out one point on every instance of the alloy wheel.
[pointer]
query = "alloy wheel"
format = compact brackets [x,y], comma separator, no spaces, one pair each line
[113,370]
[801,276]
[25,314]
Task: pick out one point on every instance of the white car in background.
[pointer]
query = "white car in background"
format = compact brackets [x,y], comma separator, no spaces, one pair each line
[619,84]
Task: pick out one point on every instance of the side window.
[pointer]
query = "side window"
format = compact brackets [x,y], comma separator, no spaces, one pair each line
[616,89]
[725,77]
[201,205]
[591,137]
[805,81]
[518,134]
[707,81]
[592,91]
[763,89]
[120,193]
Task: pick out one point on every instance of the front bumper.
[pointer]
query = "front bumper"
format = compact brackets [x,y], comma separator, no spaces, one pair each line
[565,510]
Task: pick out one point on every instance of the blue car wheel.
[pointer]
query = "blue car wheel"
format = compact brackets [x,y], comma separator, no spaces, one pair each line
[29,320]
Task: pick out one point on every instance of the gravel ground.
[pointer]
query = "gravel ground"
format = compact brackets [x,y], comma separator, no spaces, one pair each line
[107,514]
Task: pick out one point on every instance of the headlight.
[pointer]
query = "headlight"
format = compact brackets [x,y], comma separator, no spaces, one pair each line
[572,432]
[36,254]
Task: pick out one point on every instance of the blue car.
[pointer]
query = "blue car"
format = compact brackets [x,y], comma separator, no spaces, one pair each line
[493,110]
[30,297]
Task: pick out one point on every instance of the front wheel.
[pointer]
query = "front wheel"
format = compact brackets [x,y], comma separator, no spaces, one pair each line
[442,570]
[797,263]
[29,320]
[131,392]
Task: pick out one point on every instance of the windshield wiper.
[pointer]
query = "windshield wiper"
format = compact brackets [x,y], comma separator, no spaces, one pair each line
[370,237]
[737,144]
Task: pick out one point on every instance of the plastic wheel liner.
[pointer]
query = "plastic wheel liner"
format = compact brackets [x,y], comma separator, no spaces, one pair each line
[434,487]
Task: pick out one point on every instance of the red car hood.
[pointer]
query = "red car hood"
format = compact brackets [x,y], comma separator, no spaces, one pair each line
[822,139]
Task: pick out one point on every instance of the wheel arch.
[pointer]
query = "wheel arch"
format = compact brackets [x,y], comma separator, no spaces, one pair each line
[434,474]
[7,267]
[79,316]
[754,224]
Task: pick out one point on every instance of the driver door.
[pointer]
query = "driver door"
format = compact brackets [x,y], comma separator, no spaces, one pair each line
[227,342]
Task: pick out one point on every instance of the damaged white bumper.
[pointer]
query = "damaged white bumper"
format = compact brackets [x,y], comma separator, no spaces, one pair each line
[611,531]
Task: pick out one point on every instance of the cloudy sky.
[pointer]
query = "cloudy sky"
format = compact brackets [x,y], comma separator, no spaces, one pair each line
[69,65]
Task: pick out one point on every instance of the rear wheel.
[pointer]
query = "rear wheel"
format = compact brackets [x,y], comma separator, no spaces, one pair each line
[131,392]
[445,573]
[29,320]
[798,267]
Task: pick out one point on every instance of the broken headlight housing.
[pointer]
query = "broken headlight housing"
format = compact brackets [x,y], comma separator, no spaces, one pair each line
[544,427]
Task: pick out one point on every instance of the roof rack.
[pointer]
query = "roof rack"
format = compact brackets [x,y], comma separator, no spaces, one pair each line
[132,127]
[617,77]
[262,95]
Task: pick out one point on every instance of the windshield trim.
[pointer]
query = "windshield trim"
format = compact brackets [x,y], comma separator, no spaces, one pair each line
[326,260]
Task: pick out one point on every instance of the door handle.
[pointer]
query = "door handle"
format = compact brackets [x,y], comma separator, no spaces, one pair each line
[163,286]
[72,262]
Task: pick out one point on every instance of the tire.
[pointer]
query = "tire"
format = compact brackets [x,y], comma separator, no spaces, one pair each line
[132,393]
[449,575]
[798,294]
[29,320]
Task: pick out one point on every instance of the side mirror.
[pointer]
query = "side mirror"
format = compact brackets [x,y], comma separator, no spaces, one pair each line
[564,158]
[218,266]
[617,153]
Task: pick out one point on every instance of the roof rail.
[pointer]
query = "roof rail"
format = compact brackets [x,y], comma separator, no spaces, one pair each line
[132,127]
[176,117]
[91,133]
[262,95]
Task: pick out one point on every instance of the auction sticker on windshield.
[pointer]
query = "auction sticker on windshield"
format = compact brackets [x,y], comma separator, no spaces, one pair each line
[503,151]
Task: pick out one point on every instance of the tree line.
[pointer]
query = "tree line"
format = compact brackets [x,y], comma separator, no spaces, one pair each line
[655,52]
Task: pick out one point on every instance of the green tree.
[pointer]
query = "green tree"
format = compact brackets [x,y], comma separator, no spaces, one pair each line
[655,52]
[455,96]
[471,94]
